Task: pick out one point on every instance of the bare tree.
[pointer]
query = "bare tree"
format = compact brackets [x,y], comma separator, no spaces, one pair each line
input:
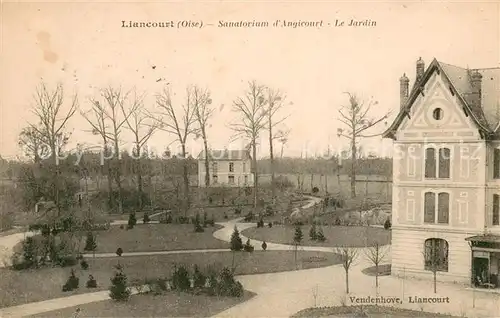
[435,260]
[253,115]
[51,126]
[31,141]
[97,119]
[275,102]
[282,136]
[181,124]
[356,120]
[114,99]
[201,102]
[348,256]
[138,122]
[376,255]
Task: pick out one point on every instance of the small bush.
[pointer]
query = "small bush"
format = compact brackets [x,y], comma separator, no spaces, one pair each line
[248,247]
[225,216]
[121,227]
[337,221]
[320,236]
[237,211]
[91,282]
[270,224]
[119,251]
[90,242]
[145,218]
[264,245]
[198,228]
[118,290]
[132,220]
[248,217]
[199,279]
[312,233]
[84,265]
[315,190]
[180,279]
[211,221]
[387,224]
[67,261]
[260,223]
[72,282]
[236,242]
[227,285]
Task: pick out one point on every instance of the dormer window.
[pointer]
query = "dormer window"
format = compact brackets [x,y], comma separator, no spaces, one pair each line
[437,166]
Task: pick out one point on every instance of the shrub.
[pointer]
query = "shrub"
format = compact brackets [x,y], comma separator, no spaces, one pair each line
[264,245]
[237,211]
[30,252]
[236,242]
[270,224]
[248,247]
[197,224]
[84,265]
[227,285]
[212,282]
[67,261]
[132,220]
[91,283]
[72,282]
[90,243]
[387,224]
[260,223]
[211,221]
[225,215]
[145,218]
[269,210]
[315,190]
[119,251]
[121,227]
[118,290]
[312,233]
[297,237]
[320,236]
[248,217]
[180,279]
[199,279]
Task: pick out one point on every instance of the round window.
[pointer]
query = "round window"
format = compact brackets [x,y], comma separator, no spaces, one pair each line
[437,114]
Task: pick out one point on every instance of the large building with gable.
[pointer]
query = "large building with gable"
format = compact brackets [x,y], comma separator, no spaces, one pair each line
[446,175]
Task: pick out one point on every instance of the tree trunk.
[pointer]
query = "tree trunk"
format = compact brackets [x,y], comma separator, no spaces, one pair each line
[110,186]
[207,160]
[139,174]
[255,174]
[353,168]
[185,174]
[435,281]
[326,183]
[376,276]
[271,156]
[347,281]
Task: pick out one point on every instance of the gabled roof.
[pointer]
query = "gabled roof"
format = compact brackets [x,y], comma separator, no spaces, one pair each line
[486,116]
[226,155]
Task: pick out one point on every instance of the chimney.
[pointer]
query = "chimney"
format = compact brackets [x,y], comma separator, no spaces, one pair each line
[476,81]
[420,69]
[404,86]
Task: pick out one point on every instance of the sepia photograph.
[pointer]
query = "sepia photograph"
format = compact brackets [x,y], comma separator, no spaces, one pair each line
[250,159]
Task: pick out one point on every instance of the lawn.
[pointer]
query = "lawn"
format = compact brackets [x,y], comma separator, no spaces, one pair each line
[383,270]
[367,311]
[19,287]
[350,236]
[165,305]
[157,237]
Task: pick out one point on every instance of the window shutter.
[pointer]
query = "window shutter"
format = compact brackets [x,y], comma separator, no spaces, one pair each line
[430,163]
[429,207]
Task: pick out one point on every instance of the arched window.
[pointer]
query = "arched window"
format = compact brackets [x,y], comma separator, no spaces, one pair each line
[437,207]
[436,255]
[437,166]
[430,163]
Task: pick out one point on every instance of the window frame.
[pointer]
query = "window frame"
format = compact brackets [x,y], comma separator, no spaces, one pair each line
[229,178]
[495,211]
[231,166]
[436,207]
[436,165]
[433,246]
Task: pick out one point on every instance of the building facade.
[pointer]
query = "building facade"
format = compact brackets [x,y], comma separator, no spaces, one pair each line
[446,175]
[231,168]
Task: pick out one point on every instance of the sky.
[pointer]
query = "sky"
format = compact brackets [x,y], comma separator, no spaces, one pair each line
[84,47]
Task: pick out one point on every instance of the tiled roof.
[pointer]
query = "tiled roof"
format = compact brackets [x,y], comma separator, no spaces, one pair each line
[486,115]
[226,155]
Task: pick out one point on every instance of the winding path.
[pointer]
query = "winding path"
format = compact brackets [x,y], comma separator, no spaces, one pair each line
[283,294]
